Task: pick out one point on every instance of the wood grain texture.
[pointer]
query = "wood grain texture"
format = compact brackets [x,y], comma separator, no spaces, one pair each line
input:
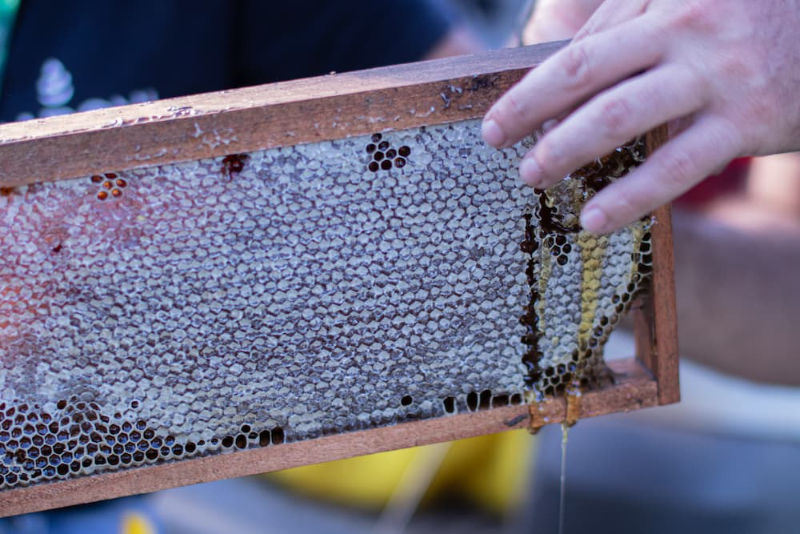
[633,389]
[660,310]
[256,118]
[665,320]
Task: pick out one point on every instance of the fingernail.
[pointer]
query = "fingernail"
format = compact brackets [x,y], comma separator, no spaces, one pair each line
[492,133]
[529,172]
[594,220]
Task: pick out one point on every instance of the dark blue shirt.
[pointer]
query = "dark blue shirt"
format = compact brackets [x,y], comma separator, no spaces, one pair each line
[84,54]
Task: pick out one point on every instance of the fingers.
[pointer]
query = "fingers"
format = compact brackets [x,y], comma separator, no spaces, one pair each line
[669,172]
[609,14]
[611,119]
[554,20]
[569,77]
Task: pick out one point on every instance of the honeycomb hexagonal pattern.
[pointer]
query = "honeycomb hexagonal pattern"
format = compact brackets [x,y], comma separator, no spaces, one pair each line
[192,309]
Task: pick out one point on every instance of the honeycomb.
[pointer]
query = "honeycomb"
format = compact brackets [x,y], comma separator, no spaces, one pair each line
[194,309]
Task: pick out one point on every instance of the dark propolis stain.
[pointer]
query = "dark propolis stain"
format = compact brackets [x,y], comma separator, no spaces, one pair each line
[548,218]
[517,420]
[234,164]
[530,320]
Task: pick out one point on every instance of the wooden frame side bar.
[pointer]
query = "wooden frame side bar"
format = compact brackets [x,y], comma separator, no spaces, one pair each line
[257,118]
[634,388]
[656,323]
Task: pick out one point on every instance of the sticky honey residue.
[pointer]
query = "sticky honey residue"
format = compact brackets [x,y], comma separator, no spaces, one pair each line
[571,274]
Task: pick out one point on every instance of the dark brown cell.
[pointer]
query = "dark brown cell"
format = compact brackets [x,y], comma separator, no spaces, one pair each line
[404,151]
[378,156]
[376,137]
[406,400]
[399,163]
[386,164]
[278,435]
[373,166]
[485,399]
[241,441]
[227,441]
[371,148]
[498,401]
[472,401]
[234,164]
[264,438]
[391,153]
[384,145]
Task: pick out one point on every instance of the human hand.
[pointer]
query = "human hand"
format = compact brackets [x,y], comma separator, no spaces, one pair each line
[555,20]
[725,74]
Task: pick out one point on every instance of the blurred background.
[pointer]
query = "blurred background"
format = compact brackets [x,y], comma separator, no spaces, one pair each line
[727,459]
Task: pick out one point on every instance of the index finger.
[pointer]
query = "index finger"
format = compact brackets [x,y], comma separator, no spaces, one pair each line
[571,76]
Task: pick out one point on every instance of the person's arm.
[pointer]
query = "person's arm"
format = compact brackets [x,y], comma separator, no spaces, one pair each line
[738,290]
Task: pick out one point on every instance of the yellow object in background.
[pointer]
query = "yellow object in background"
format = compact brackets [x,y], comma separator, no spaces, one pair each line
[490,471]
[134,523]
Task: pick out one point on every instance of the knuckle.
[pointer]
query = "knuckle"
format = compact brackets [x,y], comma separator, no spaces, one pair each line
[547,158]
[576,65]
[615,116]
[516,105]
[696,15]
[627,206]
[677,168]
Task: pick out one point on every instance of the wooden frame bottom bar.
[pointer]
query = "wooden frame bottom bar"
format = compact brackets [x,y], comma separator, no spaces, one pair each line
[633,388]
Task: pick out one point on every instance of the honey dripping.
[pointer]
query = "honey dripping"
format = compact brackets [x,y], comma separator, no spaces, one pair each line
[561,502]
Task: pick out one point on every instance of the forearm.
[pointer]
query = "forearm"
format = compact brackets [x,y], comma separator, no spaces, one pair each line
[738,292]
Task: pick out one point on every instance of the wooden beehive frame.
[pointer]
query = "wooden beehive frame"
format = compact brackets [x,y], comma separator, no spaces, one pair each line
[312,110]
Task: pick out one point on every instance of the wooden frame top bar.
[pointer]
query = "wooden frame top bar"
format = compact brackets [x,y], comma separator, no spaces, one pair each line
[262,117]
